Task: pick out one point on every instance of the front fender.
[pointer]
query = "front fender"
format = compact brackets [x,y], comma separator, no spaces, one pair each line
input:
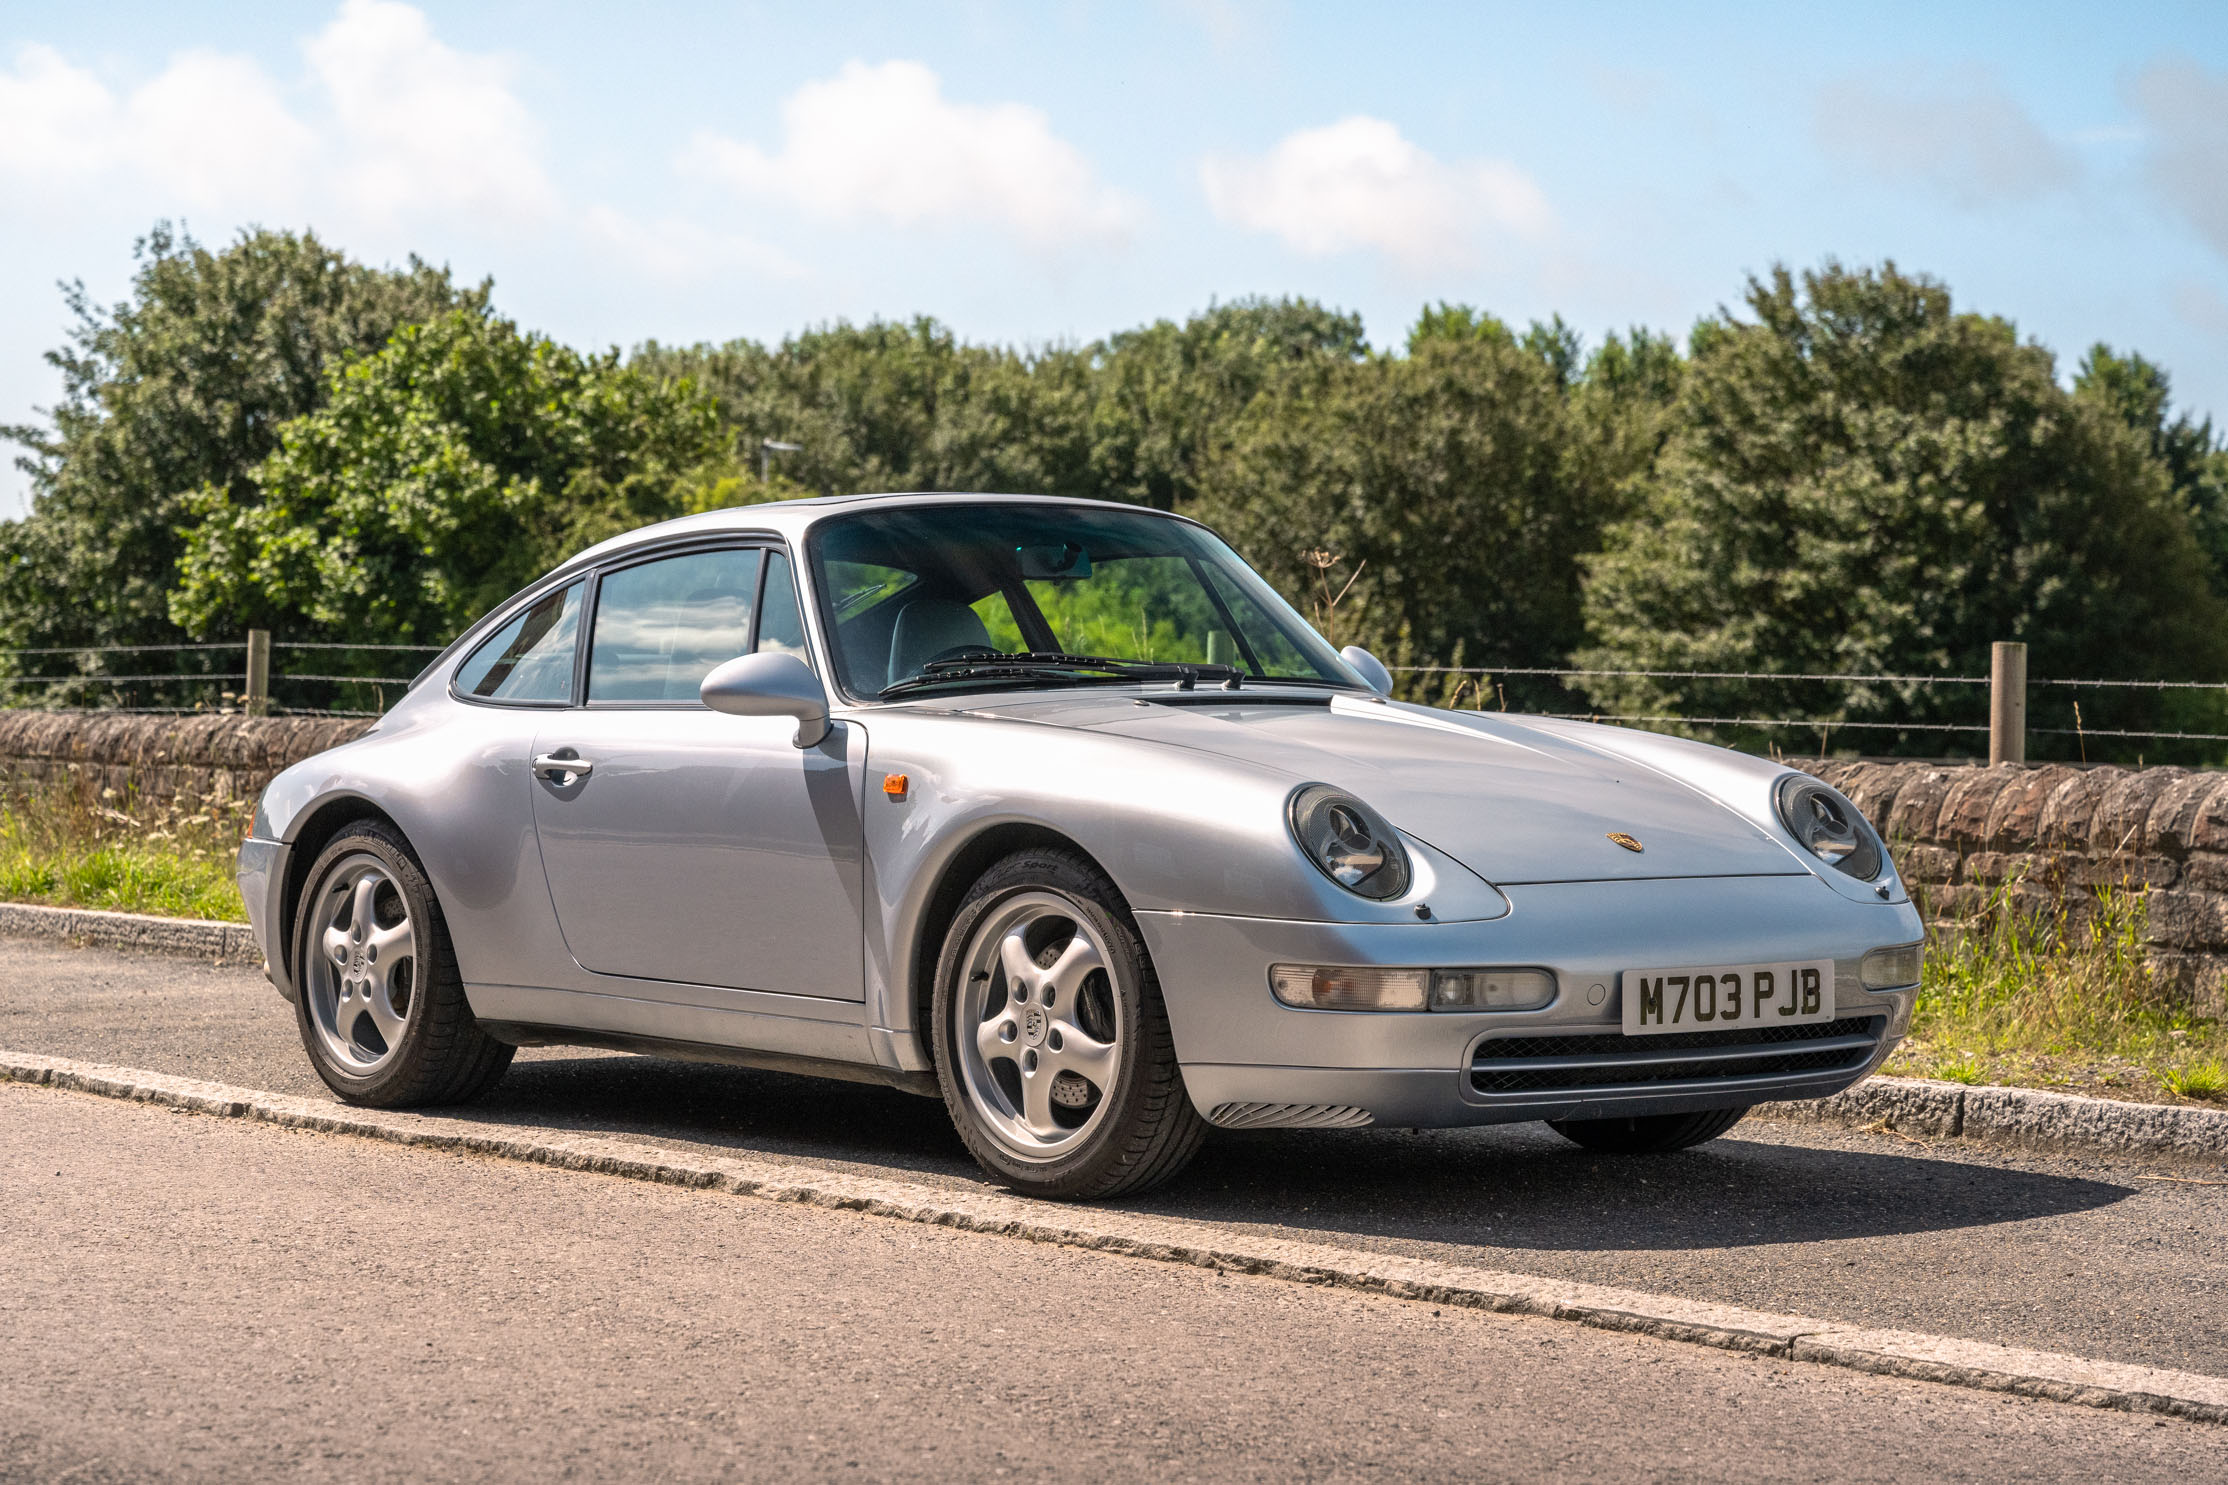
[1177,830]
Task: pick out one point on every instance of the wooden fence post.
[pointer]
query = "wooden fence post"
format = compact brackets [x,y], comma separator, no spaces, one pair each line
[258,700]
[2007,703]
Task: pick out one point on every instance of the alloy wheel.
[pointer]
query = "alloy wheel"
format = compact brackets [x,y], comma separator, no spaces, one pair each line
[362,963]
[1037,1026]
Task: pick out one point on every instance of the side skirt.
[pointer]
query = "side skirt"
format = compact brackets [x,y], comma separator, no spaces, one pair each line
[527,1034]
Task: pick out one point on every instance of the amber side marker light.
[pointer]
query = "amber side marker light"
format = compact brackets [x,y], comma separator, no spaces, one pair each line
[895,785]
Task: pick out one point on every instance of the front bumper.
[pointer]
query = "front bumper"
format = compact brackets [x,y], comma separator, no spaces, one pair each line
[1249,1060]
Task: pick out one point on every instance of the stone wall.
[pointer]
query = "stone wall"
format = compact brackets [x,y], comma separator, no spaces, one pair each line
[209,758]
[2054,833]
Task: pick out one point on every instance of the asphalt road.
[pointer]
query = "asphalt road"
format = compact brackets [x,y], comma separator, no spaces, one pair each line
[186,1298]
[2093,1257]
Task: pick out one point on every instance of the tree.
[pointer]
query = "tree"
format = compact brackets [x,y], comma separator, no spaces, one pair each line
[1863,480]
[2139,393]
[181,387]
[1455,485]
[888,406]
[441,475]
[1167,398]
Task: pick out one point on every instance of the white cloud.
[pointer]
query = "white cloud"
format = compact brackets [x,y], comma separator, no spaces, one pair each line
[56,121]
[1962,136]
[421,123]
[2186,109]
[215,127]
[676,249]
[396,122]
[1359,183]
[882,142]
[210,127]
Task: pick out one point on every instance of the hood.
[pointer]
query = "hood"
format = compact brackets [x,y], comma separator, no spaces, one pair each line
[1513,803]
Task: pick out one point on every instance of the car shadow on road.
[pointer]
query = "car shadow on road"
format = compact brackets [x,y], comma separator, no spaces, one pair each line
[1522,1187]
[1510,1187]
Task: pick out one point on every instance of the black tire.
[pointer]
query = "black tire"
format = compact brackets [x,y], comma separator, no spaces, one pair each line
[442,1055]
[1649,1134]
[1149,1130]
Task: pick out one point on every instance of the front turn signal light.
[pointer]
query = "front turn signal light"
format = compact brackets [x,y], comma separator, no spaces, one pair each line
[1339,987]
[1334,987]
[1894,967]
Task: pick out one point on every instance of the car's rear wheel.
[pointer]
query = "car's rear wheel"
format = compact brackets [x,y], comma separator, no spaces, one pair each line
[1051,1042]
[380,1005]
[1648,1134]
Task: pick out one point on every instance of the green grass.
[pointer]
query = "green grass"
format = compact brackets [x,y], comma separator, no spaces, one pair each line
[2061,1000]
[59,849]
[2207,1080]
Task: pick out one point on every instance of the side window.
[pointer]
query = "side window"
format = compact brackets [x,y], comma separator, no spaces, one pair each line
[781,626]
[861,596]
[1273,653]
[662,626]
[530,658]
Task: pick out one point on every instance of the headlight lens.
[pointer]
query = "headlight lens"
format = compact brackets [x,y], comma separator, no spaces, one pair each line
[1828,826]
[1349,842]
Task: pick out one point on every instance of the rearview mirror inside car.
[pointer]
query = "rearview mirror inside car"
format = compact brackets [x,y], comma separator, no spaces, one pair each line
[1054,563]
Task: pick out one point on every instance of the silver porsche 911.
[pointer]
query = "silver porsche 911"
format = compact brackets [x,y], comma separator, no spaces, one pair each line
[1055,810]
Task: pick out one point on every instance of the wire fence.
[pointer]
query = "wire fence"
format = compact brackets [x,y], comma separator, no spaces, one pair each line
[1827,727]
[194,685]
[263,685]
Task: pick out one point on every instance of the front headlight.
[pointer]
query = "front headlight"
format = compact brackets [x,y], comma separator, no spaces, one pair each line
[1828,826]
[1349,842]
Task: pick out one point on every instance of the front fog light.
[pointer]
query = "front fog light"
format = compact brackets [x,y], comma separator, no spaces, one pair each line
[1330,987]
[1894,967]
[1491,989]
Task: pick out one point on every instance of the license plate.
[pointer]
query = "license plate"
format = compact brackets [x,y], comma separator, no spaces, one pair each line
[1716,997]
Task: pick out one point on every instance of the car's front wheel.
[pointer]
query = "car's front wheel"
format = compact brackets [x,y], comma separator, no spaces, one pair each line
[1052,1046]
[1648,1134]
[379,1003]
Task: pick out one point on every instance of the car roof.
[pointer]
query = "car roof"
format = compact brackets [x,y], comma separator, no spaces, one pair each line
[791,518]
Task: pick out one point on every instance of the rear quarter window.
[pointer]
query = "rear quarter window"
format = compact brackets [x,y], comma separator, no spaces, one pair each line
[530,658]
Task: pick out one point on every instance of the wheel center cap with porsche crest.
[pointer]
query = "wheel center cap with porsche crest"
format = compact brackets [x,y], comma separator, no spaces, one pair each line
[1630,843]
[1034,1024]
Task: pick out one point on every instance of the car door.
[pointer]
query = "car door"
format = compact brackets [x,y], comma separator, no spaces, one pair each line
[688,846]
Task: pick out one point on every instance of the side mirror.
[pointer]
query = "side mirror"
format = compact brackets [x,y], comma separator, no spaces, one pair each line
[1370,667]
[769,685]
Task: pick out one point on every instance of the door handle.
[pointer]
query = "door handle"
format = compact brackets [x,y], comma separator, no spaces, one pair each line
[562,767]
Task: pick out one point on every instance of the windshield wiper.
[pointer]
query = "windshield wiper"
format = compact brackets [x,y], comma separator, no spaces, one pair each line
[1037,664]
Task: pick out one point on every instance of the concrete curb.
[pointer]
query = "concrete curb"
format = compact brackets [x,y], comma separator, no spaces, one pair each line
[2024,1118]
[200,937]
[1958,1363]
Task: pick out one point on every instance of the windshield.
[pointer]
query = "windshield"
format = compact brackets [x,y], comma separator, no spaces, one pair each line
[906,588]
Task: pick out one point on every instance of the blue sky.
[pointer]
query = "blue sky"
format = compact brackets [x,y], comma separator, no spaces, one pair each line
[1054,171]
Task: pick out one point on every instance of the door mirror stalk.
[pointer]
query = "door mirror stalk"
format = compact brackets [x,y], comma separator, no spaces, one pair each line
[770,685]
